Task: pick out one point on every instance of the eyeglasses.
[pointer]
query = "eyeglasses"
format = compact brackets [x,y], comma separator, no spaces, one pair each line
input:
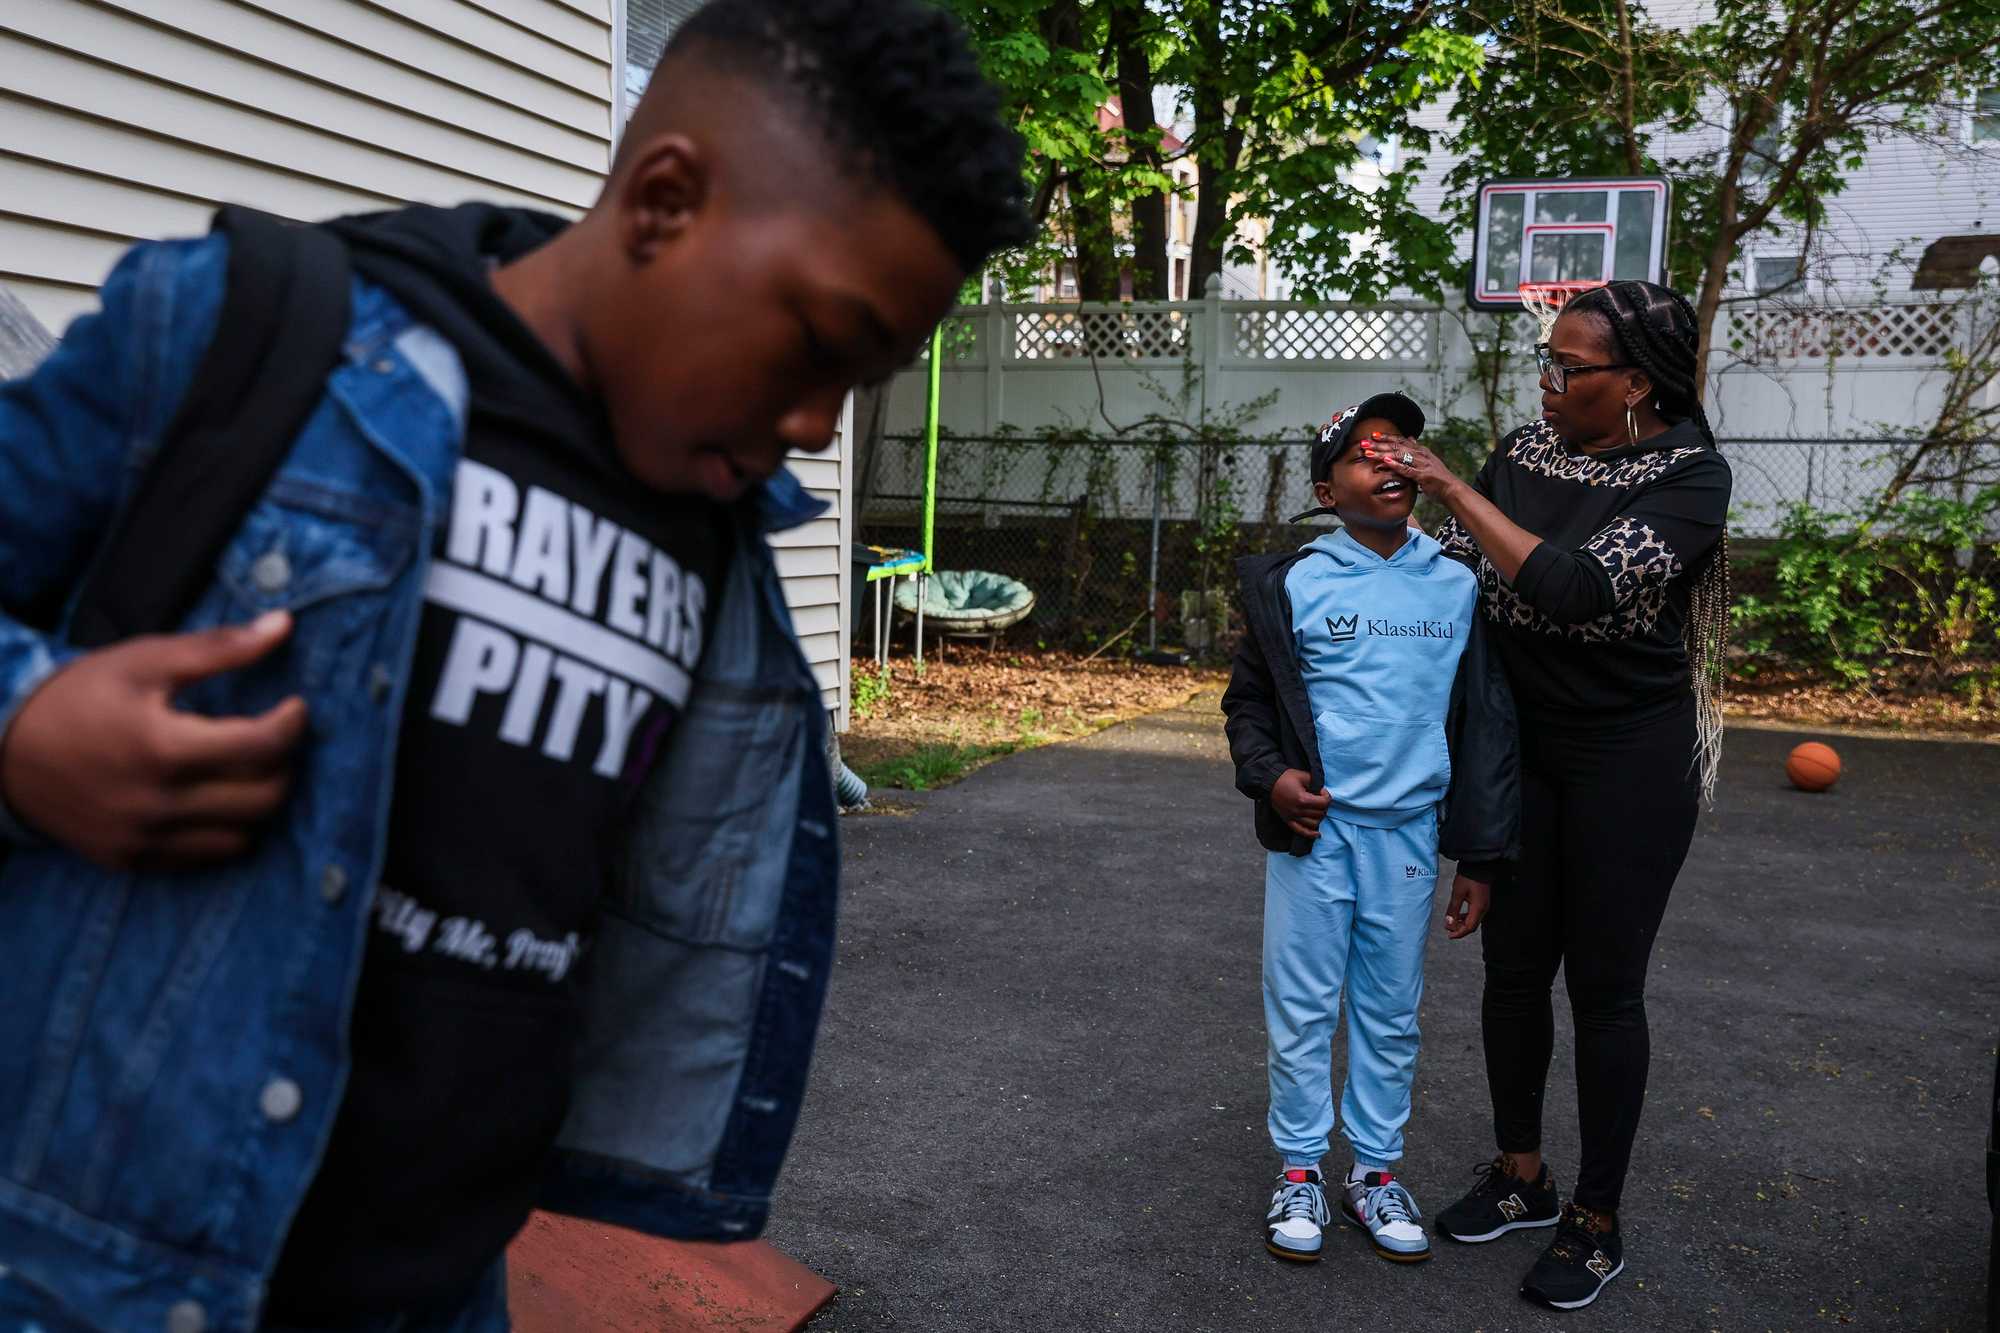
[1557,374]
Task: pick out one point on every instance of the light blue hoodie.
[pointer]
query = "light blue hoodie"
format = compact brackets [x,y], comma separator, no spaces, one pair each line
[1378,644]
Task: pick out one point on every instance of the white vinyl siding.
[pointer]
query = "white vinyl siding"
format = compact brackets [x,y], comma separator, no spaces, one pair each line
[812,560]
[122,119]
[128,120]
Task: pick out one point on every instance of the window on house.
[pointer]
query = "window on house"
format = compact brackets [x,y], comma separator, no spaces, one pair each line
[1984,124]
[1775,273]
[649,25]
[1066,283]
[1382,152]
[1766,147]
[1179,292]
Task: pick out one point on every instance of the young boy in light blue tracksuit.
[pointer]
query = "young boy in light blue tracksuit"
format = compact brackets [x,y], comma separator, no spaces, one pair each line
[1373,728]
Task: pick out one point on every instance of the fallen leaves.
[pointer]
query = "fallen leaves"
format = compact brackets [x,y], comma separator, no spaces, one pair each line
[979,703]
[1897,702]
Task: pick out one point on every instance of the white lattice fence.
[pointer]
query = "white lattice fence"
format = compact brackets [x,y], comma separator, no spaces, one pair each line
[1880,332]
[963,342]
[1138,333]
[1335,334]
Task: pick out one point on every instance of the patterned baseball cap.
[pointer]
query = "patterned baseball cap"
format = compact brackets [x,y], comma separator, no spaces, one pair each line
[1336,435]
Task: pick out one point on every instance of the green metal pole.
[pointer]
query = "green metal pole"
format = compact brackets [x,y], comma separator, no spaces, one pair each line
[931,449]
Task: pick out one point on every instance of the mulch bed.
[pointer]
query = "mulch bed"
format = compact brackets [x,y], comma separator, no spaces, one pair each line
[1911,703]
[977,697]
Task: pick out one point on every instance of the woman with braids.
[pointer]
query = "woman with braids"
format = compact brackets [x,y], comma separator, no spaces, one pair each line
[1597,535]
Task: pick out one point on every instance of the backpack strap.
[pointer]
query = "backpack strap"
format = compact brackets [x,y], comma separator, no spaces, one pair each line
[284,317]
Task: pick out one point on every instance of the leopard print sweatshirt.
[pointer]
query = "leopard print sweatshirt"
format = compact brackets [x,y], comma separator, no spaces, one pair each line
[1591,630]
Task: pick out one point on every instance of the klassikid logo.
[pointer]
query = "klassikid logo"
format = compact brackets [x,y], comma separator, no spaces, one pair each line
[1415,629]
[1343,629]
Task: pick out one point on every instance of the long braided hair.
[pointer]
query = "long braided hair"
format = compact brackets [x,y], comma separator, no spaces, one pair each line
[1656,331]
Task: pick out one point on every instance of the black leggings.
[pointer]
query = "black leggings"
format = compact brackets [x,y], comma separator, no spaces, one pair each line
[1606,819]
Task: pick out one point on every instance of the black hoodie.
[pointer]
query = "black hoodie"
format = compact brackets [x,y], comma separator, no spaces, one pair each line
[565,606]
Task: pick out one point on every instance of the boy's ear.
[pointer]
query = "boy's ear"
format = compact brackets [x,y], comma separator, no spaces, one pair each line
[666,184]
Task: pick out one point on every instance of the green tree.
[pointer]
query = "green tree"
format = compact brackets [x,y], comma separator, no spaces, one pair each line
[1279,96]
[1048,61]
[1138,41]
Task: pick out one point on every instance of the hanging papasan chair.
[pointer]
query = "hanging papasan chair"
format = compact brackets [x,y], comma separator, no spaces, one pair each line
[968,603]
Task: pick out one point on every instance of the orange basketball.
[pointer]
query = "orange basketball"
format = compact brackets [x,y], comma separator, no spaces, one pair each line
[1813,767]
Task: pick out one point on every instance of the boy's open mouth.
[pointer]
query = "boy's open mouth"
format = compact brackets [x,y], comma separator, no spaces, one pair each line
[1393,487]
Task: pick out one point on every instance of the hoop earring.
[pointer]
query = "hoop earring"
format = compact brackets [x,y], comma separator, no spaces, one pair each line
[1631,426]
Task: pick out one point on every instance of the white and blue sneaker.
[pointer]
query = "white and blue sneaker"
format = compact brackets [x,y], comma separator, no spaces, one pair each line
[1379,1204]
[1295,1228]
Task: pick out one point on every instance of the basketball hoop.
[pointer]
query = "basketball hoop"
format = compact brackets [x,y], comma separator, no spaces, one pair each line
[1545,301]
[1538,241]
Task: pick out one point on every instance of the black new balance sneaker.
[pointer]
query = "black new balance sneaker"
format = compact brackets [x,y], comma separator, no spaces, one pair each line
[1577,1264]
[1499,1204]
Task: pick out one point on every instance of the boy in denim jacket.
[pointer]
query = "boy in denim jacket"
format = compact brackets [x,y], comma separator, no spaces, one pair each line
[471,850]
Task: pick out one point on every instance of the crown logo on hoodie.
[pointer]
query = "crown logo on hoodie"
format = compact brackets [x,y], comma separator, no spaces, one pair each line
[1343,628]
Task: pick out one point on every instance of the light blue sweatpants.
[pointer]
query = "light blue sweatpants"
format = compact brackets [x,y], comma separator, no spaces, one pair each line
[1355,913]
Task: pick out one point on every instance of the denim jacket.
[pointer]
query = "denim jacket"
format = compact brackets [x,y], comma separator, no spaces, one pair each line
[173,1047]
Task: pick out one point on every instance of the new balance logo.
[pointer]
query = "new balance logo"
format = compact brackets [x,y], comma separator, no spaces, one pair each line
[1600,1265]
[1511,1207]
[1343,628]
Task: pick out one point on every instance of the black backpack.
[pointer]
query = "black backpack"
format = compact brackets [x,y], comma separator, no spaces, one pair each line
[279,334]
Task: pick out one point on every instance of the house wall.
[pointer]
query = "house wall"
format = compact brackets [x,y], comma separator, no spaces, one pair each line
[127,120]
[122,120]
[813,559]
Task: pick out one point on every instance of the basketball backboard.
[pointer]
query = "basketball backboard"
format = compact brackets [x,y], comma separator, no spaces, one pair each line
[1573,229]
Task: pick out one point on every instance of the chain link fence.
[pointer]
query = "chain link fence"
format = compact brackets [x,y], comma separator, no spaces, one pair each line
[1136,541]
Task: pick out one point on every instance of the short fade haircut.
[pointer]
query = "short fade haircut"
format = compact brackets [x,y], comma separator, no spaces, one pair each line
[894,89]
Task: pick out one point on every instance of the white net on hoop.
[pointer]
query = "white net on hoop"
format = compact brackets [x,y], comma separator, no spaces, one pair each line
[1545,301]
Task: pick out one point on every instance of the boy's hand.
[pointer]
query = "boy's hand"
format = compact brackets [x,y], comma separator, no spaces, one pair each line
[101,761]
[1469,900]
[1300,808]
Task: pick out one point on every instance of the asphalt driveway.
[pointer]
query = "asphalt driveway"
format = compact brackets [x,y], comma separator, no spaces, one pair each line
[1039,1099]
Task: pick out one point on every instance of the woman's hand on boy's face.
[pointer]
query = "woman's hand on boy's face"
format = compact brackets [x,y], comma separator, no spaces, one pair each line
[1425,468]
[101,761]
[1469,900]
[1300,807]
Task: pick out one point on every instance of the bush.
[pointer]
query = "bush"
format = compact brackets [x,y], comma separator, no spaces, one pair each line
[1849,594]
